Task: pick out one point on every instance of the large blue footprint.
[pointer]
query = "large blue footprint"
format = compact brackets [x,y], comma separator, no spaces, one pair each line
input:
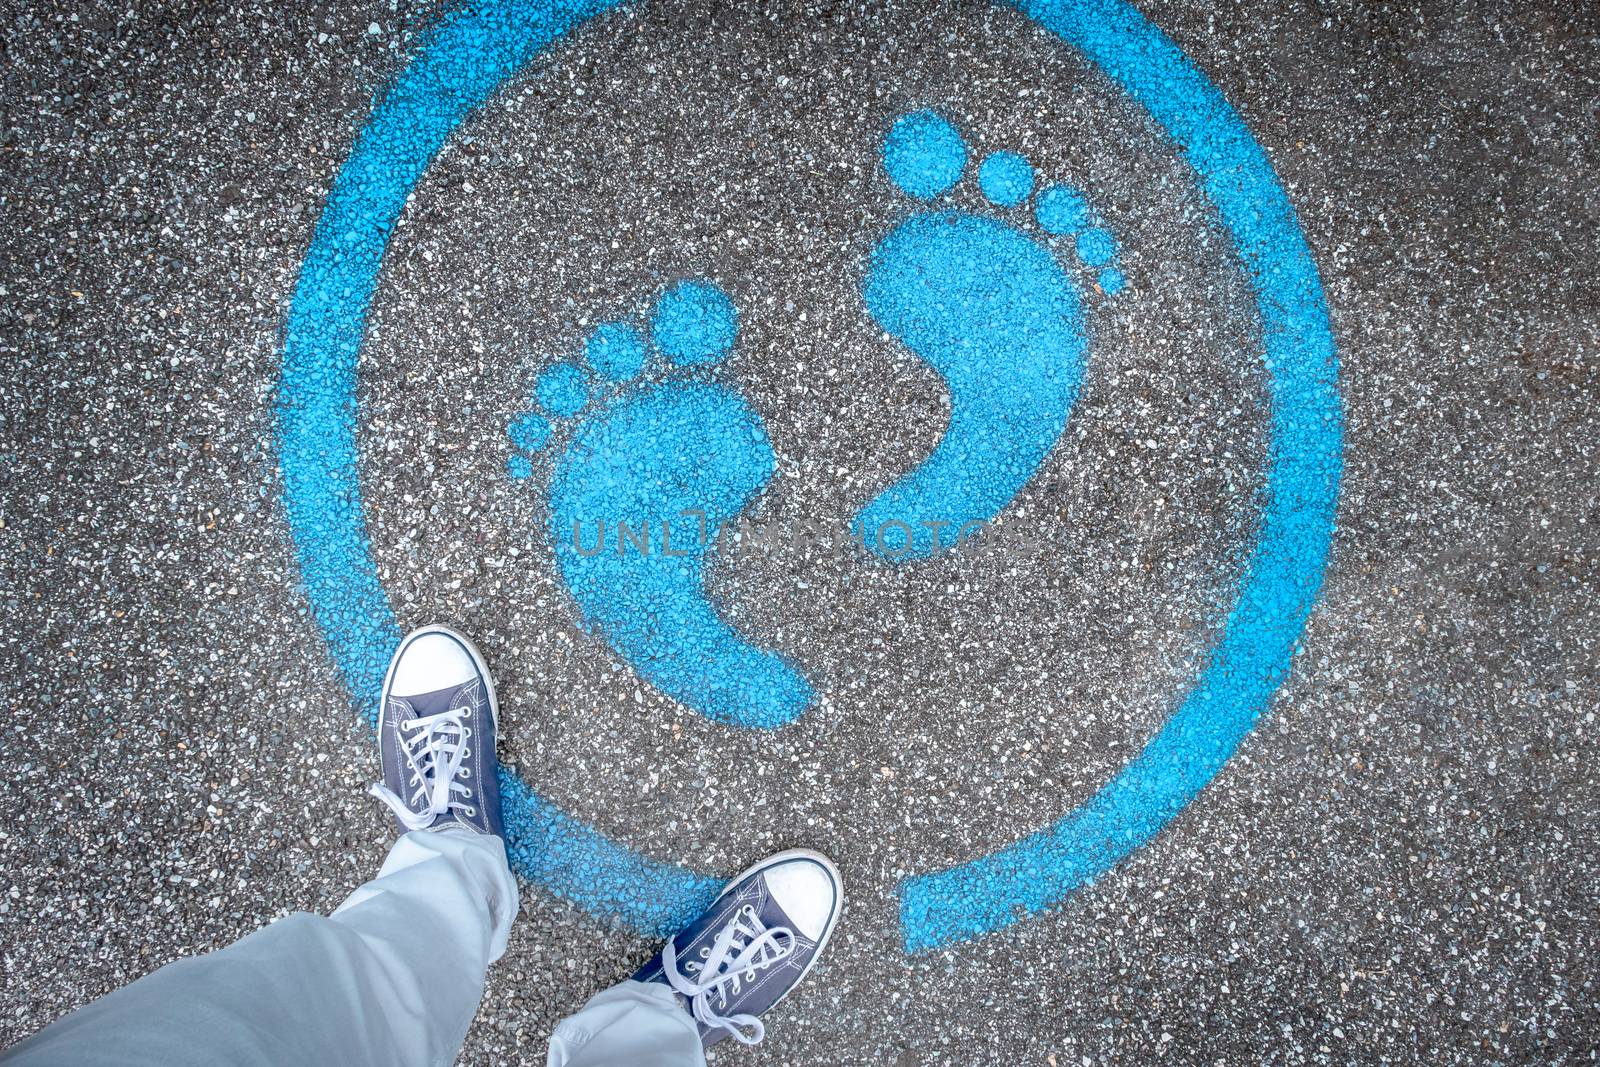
[993,311]
[646,479]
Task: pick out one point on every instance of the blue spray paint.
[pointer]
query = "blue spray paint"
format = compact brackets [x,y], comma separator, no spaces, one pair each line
[1005,178]
[1286,564]
[638,494]
[924,155]
[1096,247]
[530,432]
[993,312]
[471,52]
[616,350]
[460,64]
[991,309]
[1061,209]
[562,389]
[662,468]
[694,322]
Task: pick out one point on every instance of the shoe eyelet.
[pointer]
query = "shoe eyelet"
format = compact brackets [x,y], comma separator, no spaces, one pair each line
[465,772]
[466,753]
[705,953]
[471,812]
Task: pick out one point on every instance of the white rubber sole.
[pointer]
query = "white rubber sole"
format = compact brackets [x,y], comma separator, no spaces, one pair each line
[472,650]
[838,904]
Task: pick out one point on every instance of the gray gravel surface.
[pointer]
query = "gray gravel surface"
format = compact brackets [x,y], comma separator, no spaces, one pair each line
[1400,864]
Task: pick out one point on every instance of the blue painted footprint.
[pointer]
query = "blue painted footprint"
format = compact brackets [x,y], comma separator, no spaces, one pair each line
[993,310]
[648,475]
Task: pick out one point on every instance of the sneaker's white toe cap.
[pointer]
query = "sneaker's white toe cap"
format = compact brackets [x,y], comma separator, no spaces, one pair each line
[431,661]
[807,892]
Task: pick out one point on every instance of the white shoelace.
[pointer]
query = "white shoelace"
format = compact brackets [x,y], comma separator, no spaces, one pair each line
[434,751]
[740,949]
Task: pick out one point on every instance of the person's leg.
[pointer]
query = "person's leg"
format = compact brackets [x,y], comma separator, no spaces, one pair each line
[640,1024]
[395,975]
[392,977]
[716,977]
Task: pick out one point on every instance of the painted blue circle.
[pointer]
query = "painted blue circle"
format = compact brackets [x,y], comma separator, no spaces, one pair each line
[1283,571]
[923,154]
[463,60]
[519,467]
[468,55]
[1061,209]
[694,322]
[1111,281]
[1005,178]
[616,350]
[562,389]
[1096,247]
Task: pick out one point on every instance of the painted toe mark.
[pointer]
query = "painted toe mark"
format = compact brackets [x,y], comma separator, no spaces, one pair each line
[924,155]
[616,350]
[529,431]
[1096,247]
[1006,179]
[1062,209]
[562,389]
[694,322]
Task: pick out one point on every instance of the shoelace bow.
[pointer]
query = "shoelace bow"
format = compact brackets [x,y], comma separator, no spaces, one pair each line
[740,949]
[434,752]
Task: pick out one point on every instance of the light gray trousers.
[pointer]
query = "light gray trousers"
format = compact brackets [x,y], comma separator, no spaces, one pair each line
[393,976]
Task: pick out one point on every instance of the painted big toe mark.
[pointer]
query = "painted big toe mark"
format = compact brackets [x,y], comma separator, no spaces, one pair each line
[636,494]
[992,309]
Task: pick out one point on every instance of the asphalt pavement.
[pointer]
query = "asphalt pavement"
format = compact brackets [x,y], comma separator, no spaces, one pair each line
[1397,864]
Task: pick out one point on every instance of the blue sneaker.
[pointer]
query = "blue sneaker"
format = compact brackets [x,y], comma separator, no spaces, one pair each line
[436,735]
[752,946]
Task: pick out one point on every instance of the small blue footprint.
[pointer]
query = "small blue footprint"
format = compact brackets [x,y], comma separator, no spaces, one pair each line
[637,494]
[990,308]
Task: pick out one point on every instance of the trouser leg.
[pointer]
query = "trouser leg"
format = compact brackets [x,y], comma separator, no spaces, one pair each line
[637,1024]
[393,976]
